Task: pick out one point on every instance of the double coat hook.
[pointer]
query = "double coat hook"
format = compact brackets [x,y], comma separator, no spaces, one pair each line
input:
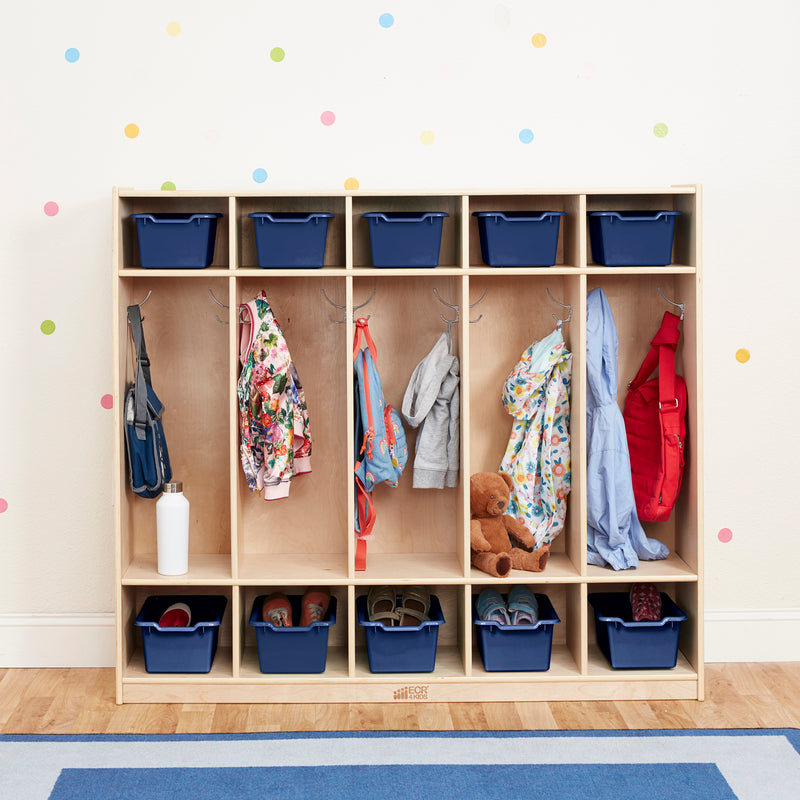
[344,308]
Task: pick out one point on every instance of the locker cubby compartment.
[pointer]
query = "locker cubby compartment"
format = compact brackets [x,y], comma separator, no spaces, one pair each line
[515,312]
[335,250]
[418,533]
[565,654]
[686,597]
[132,601]
[450,255]
[638,309]
[188,351]
[165,203]
[684,246]
[449,662]
[568,253]
[336,659]
[304,535]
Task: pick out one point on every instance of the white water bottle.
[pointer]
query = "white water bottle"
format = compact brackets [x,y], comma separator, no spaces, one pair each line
[172,530]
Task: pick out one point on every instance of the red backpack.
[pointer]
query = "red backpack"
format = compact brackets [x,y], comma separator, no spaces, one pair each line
[655,425]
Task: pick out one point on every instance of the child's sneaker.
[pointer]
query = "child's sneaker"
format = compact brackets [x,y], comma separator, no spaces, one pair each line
[277,610]
[523,606]
[491,608]
[178,615]
[314,606]
[645,602]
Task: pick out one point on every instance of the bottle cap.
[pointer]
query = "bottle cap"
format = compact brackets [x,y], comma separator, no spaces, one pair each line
[173,488]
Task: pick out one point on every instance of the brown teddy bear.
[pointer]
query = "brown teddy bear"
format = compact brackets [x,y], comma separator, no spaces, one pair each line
[499,542]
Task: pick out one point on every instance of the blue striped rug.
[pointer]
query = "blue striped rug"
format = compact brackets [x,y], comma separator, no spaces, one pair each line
[607,765]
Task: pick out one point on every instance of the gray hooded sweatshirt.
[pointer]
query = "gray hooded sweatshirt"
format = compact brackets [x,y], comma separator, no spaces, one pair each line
[431,403]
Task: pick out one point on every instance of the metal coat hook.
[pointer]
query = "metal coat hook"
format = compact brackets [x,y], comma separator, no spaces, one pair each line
[150,291]
[451,322]
[221,304]
[563,305]
[681,306]
[343,308]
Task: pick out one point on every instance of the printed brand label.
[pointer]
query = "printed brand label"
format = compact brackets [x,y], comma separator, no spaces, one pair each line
[412,693]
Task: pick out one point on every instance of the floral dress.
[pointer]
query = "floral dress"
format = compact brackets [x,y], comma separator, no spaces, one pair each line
[536,395]
[275,439]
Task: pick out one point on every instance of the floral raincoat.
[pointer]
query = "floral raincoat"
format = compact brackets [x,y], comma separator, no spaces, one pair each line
[536,395]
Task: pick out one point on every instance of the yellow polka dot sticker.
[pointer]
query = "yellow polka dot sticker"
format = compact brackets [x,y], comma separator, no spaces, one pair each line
[538,40]
[427,137]
[351,183]
[173,28]
[47,327]
[660,130]
[742,355]
[132,130]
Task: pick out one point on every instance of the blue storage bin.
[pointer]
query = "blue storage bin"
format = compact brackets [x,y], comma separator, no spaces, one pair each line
[518,238]
[290,240]
[176,241]
[405,238]
[292,649]
[632,238]
[516,648]
[189,649]
[401,649]
[636,645]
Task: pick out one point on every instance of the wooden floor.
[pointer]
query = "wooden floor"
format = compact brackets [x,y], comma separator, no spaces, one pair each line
[82,701]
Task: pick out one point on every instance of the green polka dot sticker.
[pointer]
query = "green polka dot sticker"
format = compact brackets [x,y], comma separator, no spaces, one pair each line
[168,186]
[277,54]
[660,130]
[47,327]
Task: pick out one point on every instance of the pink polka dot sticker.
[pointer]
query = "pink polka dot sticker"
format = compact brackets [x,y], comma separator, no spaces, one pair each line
[3,505]
[107,401]
[327,118]
[51,208]
[725,535]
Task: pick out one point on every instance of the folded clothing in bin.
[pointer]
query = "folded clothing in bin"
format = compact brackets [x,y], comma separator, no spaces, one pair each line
[524,648]
[632,238]
[290,240]
[636,645]
[518,238]
[176,241]
[405,238]
[176,649]
[292,648]
[406,648]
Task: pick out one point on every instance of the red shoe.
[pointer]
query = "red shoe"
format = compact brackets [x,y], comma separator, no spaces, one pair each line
[314,606]
[178,615]
[277,610]
[645,602]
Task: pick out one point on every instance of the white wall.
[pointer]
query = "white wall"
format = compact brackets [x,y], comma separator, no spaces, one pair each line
[212,107]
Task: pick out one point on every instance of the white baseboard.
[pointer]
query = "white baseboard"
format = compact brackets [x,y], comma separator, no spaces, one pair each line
[768,634]
[87,640]
[57,640]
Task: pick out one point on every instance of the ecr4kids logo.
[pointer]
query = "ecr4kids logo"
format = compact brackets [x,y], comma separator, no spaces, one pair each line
[413,693]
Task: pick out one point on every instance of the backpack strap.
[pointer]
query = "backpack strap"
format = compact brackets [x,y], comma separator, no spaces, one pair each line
[142,380]
[362,330]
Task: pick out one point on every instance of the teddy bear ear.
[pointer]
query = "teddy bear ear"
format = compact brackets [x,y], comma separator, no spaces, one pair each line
[507,478]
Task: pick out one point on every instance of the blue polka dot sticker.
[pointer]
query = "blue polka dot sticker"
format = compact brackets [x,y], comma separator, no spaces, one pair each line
[526,136]
[386,20]
[259,175]
[72,54]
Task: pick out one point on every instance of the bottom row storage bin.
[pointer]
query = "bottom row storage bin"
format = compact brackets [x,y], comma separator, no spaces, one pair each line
[410,648]
[516,648]
[189,649]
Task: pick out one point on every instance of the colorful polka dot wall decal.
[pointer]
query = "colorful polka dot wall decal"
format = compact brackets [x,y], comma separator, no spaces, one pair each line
[168,186]
[538,40]
[3,505]
[259,175]
[107,401]
[386,20]
[72,54]
[526,136]
[132,130]
[327,117]
[351,183]
[47,327]
[742,355]
[660,130]
[51,208]
[725,535]
[173,28]
[277,54]
[427,137]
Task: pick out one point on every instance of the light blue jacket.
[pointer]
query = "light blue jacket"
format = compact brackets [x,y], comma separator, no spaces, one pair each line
[615,535]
